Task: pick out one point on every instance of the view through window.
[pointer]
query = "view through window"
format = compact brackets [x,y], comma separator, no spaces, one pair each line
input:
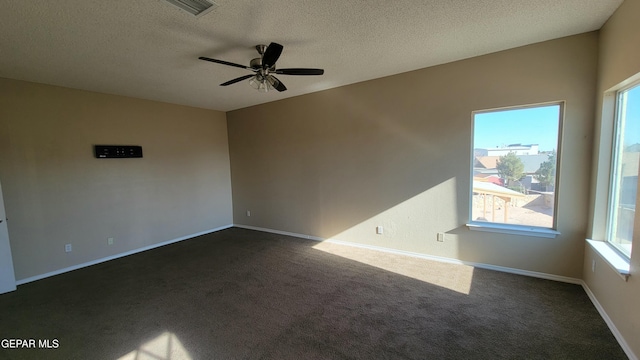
[514,165]
[624,172]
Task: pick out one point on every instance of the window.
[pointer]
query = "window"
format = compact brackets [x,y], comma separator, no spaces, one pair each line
[515,161]
[624,170]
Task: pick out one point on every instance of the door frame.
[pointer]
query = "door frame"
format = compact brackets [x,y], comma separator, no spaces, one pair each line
[7,272]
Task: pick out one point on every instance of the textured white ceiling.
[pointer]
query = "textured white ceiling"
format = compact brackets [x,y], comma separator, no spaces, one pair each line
[149,49]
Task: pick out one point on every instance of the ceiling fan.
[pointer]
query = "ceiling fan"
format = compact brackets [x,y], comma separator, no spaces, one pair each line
[263,68]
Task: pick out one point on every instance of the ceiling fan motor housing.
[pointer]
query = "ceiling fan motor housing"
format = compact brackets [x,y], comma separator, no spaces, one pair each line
[257,64]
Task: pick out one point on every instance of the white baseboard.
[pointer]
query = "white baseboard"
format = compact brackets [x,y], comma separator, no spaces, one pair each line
[131,252]
[535,274]
[609,322]
[248,227]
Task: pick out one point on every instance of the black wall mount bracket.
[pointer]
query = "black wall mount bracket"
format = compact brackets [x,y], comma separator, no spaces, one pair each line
[117,151]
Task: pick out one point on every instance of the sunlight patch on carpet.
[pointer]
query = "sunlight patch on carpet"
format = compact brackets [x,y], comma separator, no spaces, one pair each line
[454,277]
[167,346]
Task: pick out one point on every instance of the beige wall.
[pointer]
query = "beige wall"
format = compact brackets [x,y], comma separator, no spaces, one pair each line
[396,152]
[618,61]
[56,192]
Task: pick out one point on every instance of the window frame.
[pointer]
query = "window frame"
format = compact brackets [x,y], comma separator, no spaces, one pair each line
[601,181]
[518,229]
[614,158]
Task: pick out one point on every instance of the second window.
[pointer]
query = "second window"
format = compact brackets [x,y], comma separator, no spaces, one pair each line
[515,162]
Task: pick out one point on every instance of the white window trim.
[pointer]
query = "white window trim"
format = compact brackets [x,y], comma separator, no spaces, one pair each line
[603,181]
[514,229]
[511,229]
[619,263]
[614,161]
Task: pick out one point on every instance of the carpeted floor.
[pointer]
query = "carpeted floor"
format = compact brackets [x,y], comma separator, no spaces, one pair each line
[241,294]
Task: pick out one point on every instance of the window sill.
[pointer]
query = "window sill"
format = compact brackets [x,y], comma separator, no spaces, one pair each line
[617,262]
[513,229]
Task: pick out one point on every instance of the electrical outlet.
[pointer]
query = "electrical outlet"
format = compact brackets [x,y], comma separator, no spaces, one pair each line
[379,230]
[248,212]
[440,237]
[67,248]
[110,241]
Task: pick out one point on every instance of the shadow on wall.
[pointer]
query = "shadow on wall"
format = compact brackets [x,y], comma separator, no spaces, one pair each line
[411,223]
[360,167]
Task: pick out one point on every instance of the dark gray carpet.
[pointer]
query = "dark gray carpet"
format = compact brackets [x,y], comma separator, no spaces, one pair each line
[240,294]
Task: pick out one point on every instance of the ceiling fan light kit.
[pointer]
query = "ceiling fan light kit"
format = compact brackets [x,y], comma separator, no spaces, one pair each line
[259,83]
[263,68]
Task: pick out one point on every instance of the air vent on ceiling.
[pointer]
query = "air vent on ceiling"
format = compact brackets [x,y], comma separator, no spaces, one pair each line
[194,7]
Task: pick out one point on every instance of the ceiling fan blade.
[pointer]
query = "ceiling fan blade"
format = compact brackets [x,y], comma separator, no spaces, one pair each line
[236,80]
[224,62]
[299,71]
[271,55]
[276,83]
